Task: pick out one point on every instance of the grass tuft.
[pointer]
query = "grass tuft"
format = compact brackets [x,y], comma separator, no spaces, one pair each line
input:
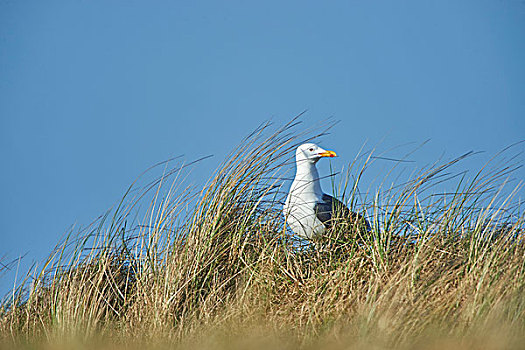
[217,268]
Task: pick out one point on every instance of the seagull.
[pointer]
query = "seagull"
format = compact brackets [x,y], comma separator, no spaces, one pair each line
[307,210]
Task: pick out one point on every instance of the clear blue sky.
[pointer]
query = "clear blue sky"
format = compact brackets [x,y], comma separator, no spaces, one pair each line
[94,92]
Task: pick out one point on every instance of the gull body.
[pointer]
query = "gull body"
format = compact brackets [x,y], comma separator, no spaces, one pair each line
[301,207]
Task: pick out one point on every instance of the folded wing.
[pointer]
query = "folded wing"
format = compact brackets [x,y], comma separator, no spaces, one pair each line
[330,208]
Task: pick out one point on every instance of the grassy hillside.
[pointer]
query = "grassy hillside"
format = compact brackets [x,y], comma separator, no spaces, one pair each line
[174,267]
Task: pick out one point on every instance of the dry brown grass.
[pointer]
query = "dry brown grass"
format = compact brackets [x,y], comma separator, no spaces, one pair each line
[217,269]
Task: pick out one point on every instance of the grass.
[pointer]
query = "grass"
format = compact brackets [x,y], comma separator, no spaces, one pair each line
[174,267]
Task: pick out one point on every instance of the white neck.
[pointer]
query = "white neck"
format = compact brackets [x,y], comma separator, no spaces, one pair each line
[307,179]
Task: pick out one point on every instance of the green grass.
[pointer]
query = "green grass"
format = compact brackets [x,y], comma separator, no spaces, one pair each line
[176,267]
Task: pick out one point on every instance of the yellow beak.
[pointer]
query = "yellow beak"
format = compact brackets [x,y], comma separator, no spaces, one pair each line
[328,154]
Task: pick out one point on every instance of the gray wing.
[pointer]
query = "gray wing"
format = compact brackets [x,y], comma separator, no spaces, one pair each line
[331,207]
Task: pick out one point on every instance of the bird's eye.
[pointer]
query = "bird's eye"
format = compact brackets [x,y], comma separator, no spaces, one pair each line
[311,149]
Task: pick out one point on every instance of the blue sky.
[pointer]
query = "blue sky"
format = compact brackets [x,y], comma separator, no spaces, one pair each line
[94,92]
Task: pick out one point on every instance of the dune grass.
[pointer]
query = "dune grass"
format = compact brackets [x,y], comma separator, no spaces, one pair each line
[171,266]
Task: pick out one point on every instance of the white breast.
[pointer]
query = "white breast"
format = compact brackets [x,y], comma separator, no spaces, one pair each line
[299,211]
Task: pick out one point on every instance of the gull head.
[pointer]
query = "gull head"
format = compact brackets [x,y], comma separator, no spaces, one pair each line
[310,152]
